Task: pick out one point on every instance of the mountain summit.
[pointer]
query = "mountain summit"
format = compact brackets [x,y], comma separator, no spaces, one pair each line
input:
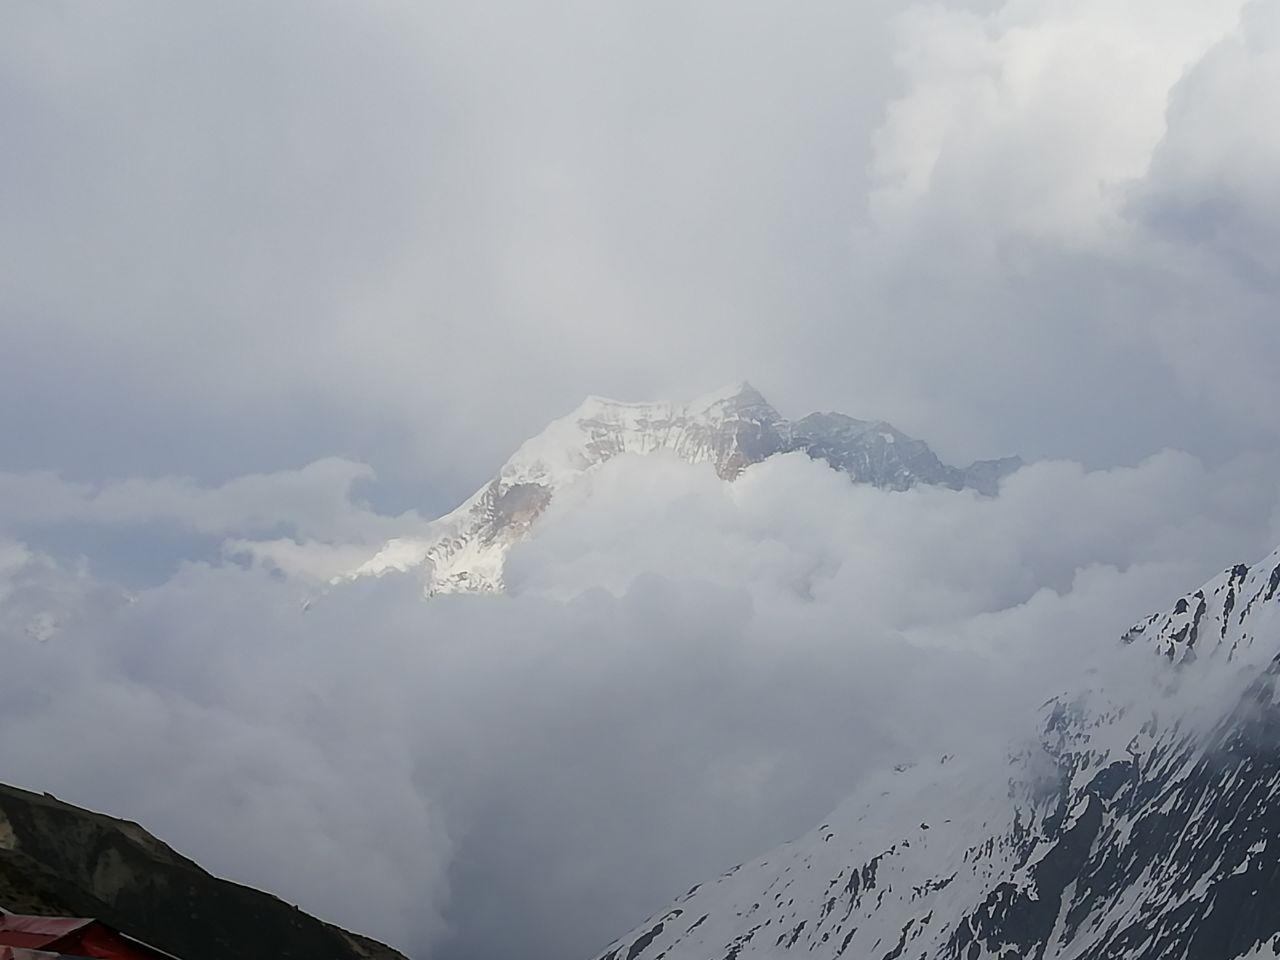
[731,429]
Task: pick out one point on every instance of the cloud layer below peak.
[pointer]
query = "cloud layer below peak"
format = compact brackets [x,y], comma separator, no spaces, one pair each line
[685,672]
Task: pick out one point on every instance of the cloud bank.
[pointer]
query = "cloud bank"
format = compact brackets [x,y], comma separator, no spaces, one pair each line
[685,672]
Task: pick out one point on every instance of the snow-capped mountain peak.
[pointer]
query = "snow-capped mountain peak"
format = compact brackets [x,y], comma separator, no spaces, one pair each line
[717,428]
[731,429]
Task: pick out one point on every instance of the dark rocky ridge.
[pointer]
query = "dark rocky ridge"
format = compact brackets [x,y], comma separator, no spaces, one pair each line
[58,859]
[878,453]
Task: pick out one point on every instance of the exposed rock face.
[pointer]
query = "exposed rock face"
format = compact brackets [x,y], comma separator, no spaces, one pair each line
[731,430]
[879,454]
[57,859]
[1126,829]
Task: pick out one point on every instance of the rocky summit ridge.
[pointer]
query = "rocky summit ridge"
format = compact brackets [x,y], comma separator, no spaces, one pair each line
[464,551]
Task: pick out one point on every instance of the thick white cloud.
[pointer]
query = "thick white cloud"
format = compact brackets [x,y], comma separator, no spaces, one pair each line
[1211,183]
[1027,120]
[794,529]
[1018,246]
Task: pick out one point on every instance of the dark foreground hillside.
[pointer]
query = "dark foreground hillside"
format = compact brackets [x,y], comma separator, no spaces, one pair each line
[57,859]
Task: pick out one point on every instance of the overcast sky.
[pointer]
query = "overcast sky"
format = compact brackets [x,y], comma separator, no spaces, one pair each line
[306,273]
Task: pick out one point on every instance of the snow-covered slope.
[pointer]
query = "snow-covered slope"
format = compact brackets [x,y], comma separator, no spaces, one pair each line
[1138,823]
[731,429]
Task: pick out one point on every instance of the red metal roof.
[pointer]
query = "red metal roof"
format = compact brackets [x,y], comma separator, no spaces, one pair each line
[75,936]
[17,930]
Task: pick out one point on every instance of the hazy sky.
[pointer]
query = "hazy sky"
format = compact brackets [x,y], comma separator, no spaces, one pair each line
[243,236]
[305,273]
